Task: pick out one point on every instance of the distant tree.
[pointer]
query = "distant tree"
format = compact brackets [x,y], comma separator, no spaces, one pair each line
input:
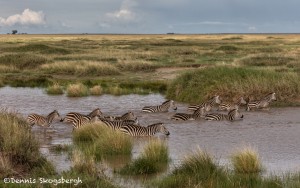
[14,31]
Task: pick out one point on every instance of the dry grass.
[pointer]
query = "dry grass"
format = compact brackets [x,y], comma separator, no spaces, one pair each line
[77,90]
[96,90]
[55,89]
[246,161]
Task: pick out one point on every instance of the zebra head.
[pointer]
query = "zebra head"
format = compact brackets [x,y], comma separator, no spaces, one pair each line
[53,115]
[235,115]
[241,101]
[172,104]
[273,96]
[217,99]
[130,115]
[159,127]
[96,112]
[200,112]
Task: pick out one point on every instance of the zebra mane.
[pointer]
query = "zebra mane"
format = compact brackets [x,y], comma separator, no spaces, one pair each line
[167,101]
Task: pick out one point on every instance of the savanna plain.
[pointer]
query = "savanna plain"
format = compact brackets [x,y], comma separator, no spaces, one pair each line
[188,69]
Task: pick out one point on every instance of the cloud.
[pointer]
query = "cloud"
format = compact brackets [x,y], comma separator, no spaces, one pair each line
[28,17]
[125,13]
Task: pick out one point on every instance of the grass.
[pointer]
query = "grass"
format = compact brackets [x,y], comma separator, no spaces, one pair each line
[246,161]
[19,150]
[81,68]
[41,48]
[99,140]
[55,89]
[153,159]
[231,82]
[96,90]
[77,90]
[22,61]
[266,60]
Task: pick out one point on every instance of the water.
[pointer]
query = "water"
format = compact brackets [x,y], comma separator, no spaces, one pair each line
[274,134]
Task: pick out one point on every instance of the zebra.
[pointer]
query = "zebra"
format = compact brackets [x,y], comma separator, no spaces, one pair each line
[79,120]
[35,119]
[127,116]
[208,104]
[164,107]
[263,103]
[182,116]
[150,130]
[231,116]
[117,124]
[230,106]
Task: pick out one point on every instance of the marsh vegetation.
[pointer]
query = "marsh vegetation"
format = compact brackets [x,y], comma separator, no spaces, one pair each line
[120,63]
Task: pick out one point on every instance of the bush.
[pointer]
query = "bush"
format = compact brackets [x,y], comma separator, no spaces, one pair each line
[96,90]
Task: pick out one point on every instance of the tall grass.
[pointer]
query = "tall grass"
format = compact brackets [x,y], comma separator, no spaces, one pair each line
[23,61]
[154,158]
[55,89]
[77,90]
[197,170]
[96,90]
[99,140]
[19,150]
[81,68]
[136,66]
[231,82]
[246,161]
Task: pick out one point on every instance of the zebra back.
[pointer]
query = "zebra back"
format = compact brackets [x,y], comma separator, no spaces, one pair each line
[231,116]
[164,107]
[41,120]
[208,104]
[77,119]
[126,116]
[116,124]
[96,112]
[183,116]
[136,130]
[263,103]
[230,106]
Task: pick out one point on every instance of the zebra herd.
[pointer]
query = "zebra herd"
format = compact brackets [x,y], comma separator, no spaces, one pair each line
[129,124]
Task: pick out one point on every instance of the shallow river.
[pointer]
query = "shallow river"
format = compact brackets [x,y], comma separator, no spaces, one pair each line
[275,134]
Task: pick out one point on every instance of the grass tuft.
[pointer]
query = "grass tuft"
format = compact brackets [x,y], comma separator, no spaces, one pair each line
[96,90]
[246,161]
[153,159]
[55,89]
[77,90]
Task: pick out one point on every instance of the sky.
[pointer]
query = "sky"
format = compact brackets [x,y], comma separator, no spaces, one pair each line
[149,16]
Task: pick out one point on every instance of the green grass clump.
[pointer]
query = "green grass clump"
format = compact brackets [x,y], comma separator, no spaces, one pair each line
[266,60]
[136,66]
[197,170]
[153,159]
[77,90]
[99,140]
[230,82]
[19,150]
[23,61]
[81,68]
[55,89]
[86,168]
[42,48]
[246,161]
[96,90]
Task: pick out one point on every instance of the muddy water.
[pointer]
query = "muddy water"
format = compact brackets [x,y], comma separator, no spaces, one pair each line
[274,133]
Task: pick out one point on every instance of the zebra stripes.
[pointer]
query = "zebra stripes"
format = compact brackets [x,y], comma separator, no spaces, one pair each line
[208,104]
[231,116]
[35,119]
[230,106]
[263,103]
[164,107]
[117,124]
[79,120]
[126,116]
[182,116]
[150,130]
